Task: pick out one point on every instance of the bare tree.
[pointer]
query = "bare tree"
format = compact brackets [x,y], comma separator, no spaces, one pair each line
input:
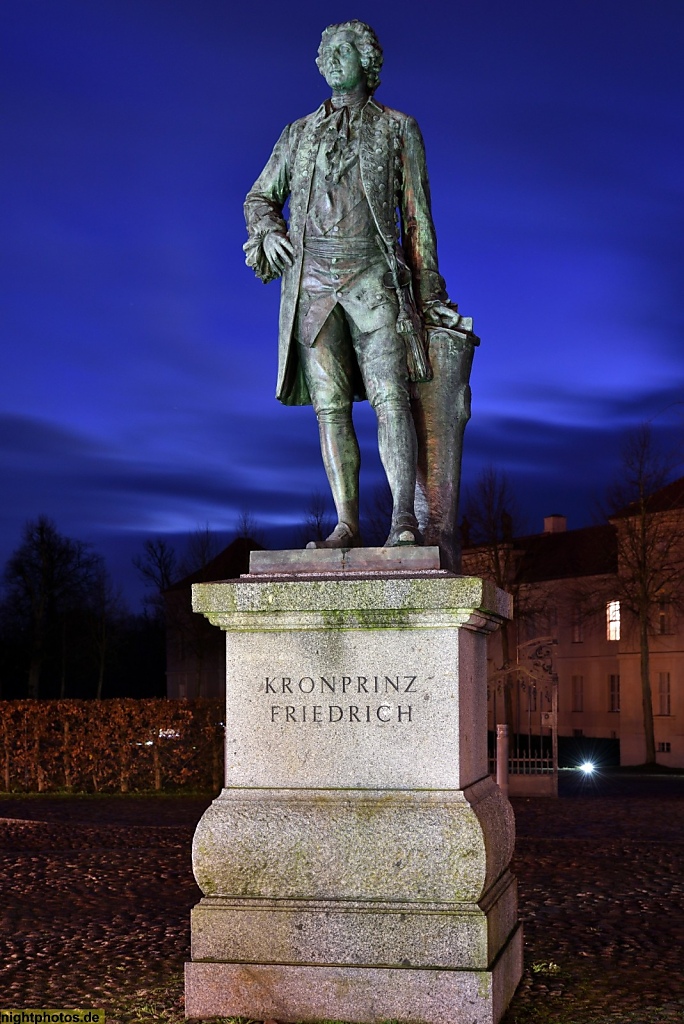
[248,527]
[491,521]
[74,613]
[202,546]
[649,519]
[106,611]
[46,578]
[379,517]
[158,569]
[318,521]
[490,518]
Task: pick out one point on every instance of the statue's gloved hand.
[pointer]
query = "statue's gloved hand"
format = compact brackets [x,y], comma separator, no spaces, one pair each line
[441,314]
[278,251]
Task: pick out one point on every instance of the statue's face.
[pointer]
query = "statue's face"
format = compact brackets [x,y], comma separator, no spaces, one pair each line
[342,68]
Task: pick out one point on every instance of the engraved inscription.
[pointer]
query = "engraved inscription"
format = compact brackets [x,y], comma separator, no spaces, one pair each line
[364,712]
[341,684]
[336,713]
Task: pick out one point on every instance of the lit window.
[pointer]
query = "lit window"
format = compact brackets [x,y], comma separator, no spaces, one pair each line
[613,620]
[663,693]
[578,693]
[614,692]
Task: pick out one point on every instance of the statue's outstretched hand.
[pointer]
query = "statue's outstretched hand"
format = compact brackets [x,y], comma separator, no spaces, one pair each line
[278,251]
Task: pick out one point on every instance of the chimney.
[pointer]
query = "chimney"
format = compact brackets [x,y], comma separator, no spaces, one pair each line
[555,523]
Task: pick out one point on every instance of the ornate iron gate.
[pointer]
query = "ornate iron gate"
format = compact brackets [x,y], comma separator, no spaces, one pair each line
[525,697]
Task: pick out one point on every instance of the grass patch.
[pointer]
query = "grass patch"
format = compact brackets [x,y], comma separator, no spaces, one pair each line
[545,967]
[163,1004]
[158,1004]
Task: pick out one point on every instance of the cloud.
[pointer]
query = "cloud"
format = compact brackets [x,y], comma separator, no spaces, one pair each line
[139,353]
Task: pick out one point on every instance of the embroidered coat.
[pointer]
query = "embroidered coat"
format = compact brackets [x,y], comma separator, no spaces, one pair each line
[395,181]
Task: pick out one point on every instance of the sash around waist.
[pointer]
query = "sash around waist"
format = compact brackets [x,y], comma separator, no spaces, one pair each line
[349,248]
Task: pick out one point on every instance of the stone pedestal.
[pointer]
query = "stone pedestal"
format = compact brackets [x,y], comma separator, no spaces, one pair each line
[355,867]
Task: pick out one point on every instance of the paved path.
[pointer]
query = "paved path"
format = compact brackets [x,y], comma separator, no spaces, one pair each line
[95,897]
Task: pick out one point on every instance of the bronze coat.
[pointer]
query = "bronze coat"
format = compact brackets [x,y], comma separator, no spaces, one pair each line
[394,177]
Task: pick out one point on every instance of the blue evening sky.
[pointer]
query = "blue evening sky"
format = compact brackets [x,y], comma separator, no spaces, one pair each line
[139,353]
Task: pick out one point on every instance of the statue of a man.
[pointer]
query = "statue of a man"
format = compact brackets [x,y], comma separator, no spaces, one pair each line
[360,280]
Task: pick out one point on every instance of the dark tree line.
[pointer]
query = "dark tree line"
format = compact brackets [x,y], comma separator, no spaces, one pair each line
[65,630]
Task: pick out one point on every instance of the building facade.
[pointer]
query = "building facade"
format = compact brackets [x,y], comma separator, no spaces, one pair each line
[196,650]
[575,591]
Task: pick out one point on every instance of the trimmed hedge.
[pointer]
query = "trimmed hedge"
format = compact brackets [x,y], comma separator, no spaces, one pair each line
[104,746]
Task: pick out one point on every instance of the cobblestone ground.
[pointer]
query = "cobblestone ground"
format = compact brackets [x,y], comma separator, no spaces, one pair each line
[601,883]
[95,896]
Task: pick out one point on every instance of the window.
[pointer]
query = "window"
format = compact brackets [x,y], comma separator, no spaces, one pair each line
[577,733]
[578,693]
[614,692]
[664,748]
[613,620]
[664,693]
[577,626]
[664,618]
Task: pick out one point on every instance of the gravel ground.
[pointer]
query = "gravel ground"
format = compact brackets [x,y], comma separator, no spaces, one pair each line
[95,896]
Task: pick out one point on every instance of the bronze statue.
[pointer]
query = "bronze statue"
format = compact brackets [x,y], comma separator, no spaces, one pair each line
[361,294]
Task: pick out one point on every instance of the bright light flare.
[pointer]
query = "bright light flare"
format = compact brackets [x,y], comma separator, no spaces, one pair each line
[588,768]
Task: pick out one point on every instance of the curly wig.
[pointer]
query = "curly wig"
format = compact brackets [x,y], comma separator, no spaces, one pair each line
[367,44]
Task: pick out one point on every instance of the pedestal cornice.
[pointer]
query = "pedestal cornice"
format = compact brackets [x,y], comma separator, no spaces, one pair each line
[391,601]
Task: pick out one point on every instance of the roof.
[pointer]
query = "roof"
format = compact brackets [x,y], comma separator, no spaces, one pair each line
[591,551]
[666,499]
[227,565]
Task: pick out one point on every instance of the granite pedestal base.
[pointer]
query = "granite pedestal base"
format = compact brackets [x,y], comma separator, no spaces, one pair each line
[365,994]
[356,866]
